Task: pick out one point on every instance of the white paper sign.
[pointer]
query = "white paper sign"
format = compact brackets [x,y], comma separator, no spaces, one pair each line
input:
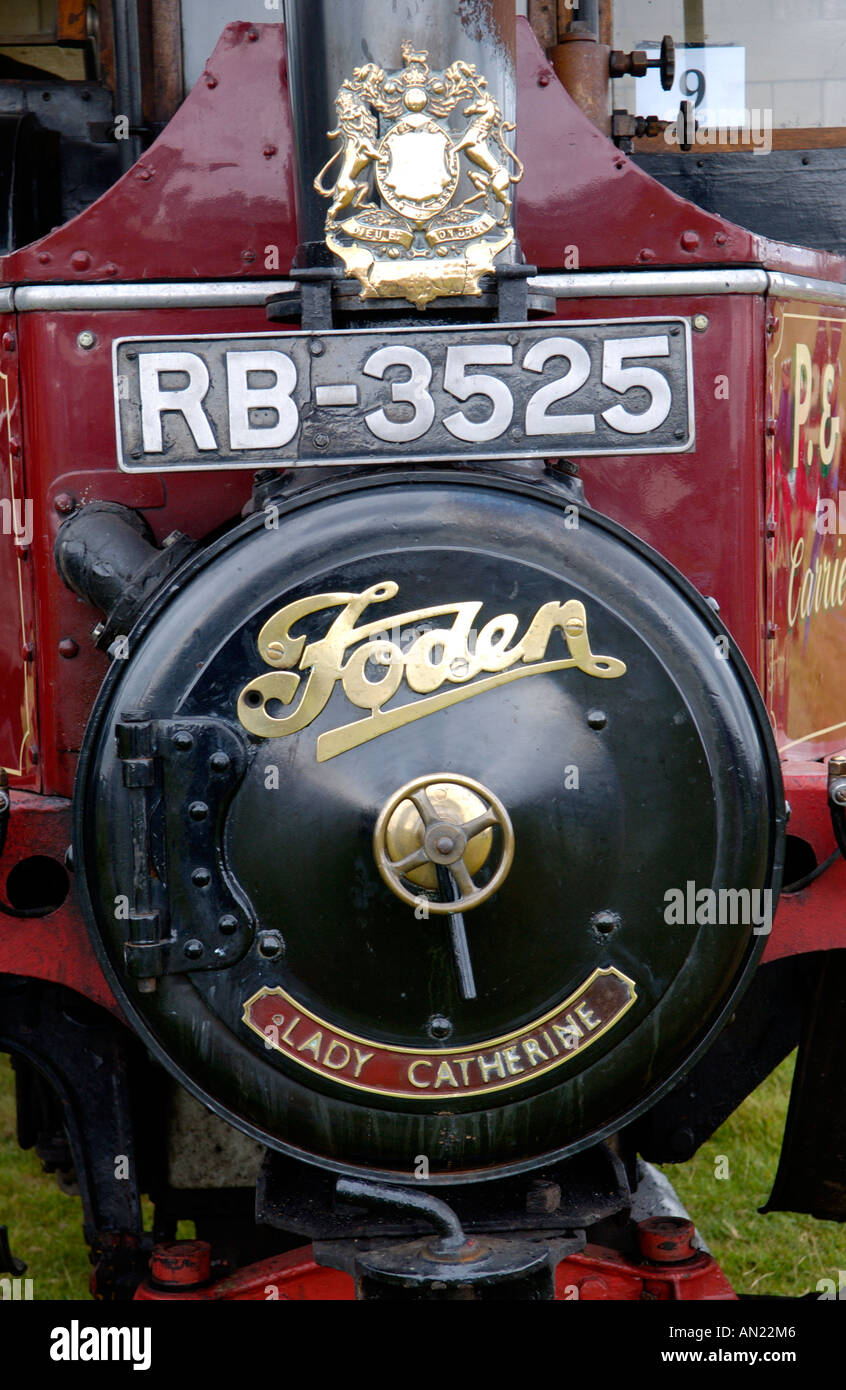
[713,78]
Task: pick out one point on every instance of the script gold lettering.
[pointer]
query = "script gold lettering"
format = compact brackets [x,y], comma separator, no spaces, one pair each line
[442,656]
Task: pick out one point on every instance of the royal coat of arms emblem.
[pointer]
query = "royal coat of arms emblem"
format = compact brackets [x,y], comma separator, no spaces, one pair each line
[412,143]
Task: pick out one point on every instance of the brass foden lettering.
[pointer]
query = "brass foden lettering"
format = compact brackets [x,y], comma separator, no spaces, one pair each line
[441,656]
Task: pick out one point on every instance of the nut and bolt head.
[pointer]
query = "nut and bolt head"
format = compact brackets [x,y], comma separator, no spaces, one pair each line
[228,924]
[270,944]
[182,741]
[700,322]
[597,719]
[193,949]
[86,339]
[439,1026]
[64,503]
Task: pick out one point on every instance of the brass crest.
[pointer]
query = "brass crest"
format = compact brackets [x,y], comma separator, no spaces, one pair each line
[411,136]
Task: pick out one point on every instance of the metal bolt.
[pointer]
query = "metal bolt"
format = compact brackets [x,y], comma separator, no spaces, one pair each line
[198,810]
[182,741]
[86,339]
[9,342]
[445,845]
[321,441]
[64,503]
[201,878]
[270,944]
[700,322]
[439,1026]
[316,347]
[543,80]
[228,924]
[219,762]
[193,949]
[689,241]
[597,719]
[68,648]
[248,256]
[269,151]
[211,82]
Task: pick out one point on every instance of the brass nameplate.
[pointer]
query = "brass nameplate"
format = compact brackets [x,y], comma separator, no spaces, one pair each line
[425,1073]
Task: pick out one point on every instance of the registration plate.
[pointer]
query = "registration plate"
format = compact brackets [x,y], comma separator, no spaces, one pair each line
[621,386]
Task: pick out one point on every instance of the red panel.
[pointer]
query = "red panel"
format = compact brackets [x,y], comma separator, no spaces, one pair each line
[815,919]
[703,510]
[18,733]
[70,450]
[55,947]
[290,1278]
[225,162]
[209,196]
[580,191]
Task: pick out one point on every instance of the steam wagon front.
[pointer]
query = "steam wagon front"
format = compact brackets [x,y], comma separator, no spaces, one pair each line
[424,630]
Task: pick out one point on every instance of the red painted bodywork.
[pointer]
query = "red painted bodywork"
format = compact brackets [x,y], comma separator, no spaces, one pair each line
[213,200]
[595,1274]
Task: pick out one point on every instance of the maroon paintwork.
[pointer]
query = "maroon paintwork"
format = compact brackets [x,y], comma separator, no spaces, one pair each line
[213,199]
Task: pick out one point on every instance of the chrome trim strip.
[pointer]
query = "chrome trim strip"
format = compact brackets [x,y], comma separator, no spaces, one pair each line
[803,287]
[586,284]
[604,284]
[183,295]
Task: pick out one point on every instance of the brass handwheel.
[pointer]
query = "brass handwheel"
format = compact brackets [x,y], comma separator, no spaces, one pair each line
[444,838]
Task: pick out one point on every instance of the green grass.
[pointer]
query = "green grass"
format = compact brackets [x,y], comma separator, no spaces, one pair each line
[774,1254]
[779,1253]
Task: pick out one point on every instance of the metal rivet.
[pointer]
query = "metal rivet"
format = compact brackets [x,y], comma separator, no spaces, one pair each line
[64,503]
[211,82]
[597,718]
[228,924]
[9,342]
[439,1026]
[543,80]
[269,151]
[193,949]
[68,648]
[700,322]
[198,810]
[201,878]
[80,260]
[86,339]
[316,347]
[219,762]
[270,944]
